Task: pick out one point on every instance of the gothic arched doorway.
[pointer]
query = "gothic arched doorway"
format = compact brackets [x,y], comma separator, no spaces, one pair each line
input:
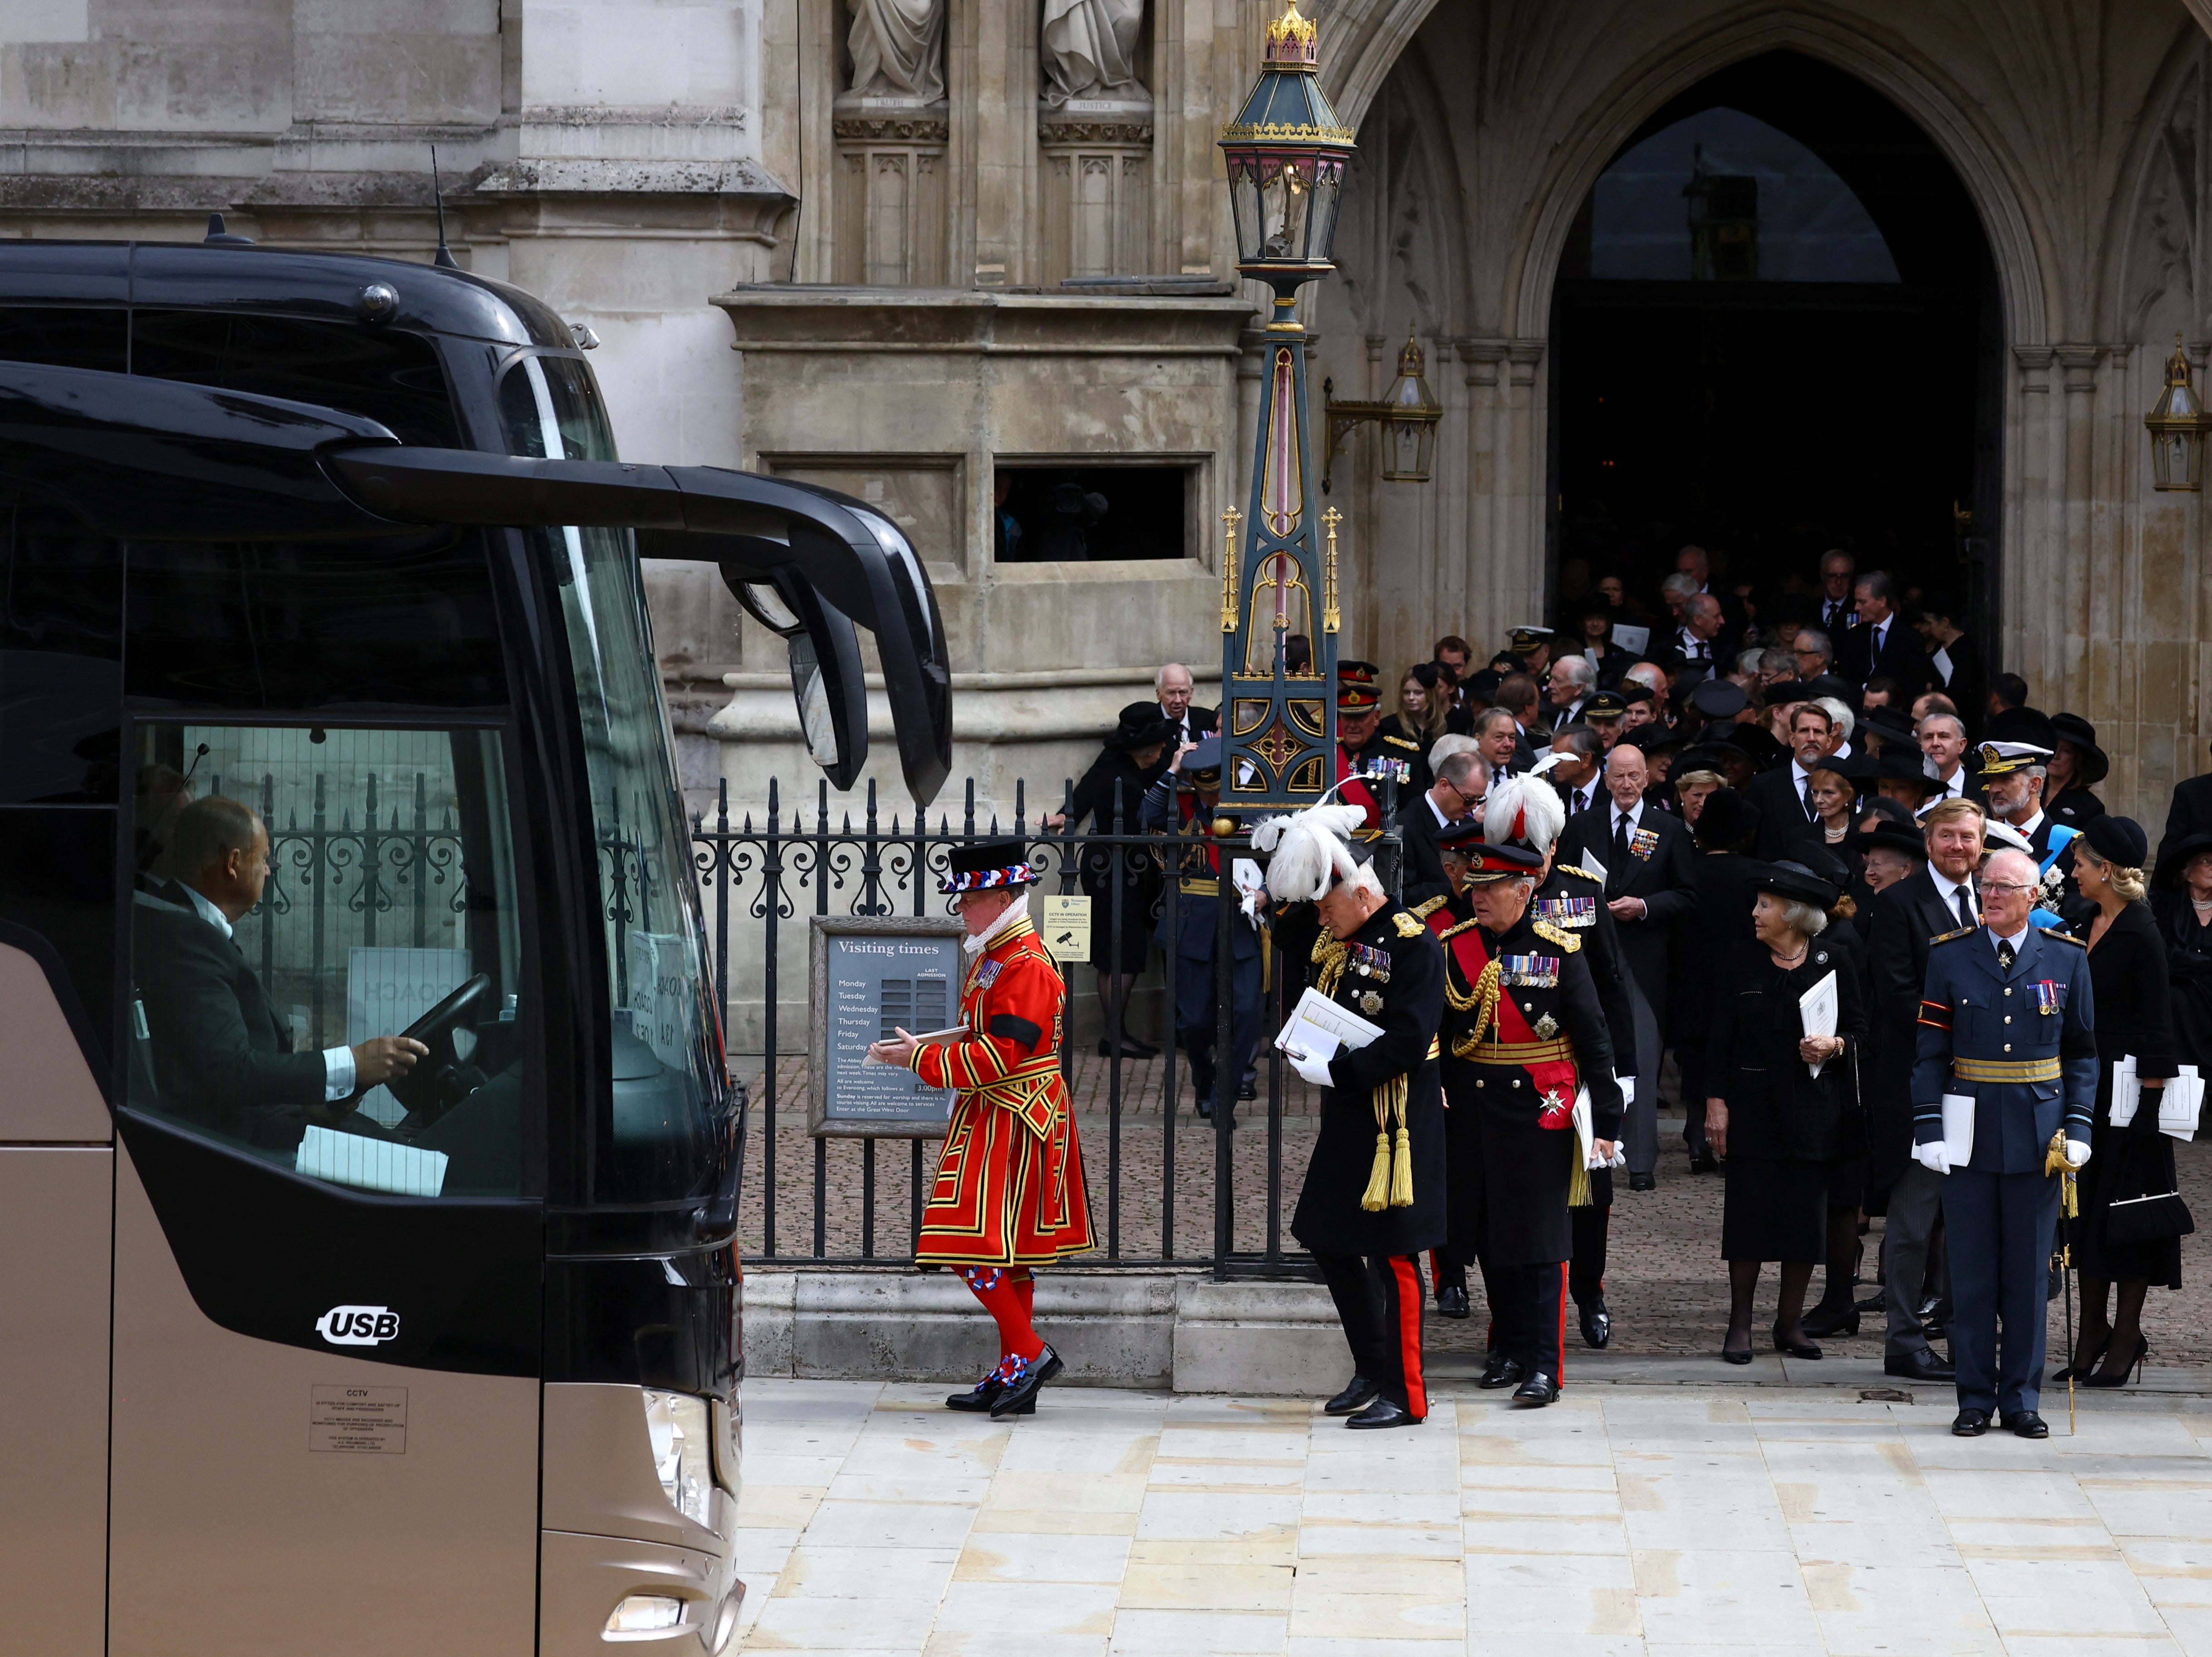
[1777,330]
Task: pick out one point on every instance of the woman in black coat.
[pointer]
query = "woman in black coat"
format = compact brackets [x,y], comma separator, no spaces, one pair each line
[1134,756]
[2128,971]
[2181,899]
[1726,827]
[1786,1134]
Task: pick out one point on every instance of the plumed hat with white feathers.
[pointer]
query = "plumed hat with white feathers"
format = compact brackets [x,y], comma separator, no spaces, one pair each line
[1525,810]
[1310,851]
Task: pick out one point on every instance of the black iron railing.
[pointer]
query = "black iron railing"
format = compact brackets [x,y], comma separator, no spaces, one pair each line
[760,881]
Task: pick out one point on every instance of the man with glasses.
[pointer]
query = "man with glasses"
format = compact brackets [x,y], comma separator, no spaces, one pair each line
[2007,1021]
[1461,781]
[1936,899]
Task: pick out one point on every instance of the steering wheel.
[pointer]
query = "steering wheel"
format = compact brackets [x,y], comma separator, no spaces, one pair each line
[444,1079]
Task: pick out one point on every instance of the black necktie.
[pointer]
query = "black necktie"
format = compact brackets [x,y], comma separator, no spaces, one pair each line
[1619,872]
[1811,814]
[1966,902]
[2005,954]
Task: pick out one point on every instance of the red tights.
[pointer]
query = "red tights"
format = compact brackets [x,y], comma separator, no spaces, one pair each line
[1007,1293]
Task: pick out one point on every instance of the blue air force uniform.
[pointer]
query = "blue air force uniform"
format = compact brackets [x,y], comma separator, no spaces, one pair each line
[1192,940]
[2021,1043]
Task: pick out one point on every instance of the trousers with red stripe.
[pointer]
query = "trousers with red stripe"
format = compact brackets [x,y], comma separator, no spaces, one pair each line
[1380,1304]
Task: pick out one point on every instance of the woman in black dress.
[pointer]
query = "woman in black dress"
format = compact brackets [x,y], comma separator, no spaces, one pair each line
[2128,971]
[1134,756]
[1785,1132]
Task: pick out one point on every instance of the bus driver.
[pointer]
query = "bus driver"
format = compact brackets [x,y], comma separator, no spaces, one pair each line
[221,1057]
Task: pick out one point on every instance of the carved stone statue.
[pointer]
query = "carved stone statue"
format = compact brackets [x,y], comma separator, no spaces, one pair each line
[1089,50]
[898,49]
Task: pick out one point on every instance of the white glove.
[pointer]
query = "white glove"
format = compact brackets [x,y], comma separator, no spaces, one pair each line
[2077,1153]
[1933,1157]
[1314,1070]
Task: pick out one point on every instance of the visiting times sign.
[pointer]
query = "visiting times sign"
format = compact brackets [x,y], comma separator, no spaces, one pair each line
[869,976]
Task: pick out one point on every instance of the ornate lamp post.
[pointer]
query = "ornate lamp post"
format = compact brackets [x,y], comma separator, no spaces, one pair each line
[2176,424]
[1285,153]
[1407,414]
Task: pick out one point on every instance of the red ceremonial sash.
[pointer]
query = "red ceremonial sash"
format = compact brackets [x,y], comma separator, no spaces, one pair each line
[1555,1079]
[1188,803]
[1354,792]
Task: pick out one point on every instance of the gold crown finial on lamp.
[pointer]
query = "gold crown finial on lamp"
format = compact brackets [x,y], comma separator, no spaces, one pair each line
[1293,42]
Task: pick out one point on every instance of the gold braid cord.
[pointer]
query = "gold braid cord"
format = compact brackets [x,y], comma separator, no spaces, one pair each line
[1331,956]
[1483,1003]
[1390,1181]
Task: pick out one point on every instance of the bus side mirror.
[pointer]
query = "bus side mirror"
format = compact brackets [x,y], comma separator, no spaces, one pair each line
[827,680]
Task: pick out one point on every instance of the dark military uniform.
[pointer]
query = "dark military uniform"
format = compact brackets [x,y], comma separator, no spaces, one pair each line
[1462,1244]
[1531,1032]
[1194,938]
[1391,972]
[2021,1043]
[1573,900]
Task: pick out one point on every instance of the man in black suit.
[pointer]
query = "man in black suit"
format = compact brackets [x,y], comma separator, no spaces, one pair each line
[1699,645]
[1955,661]
[1783,796]
[1883,645]
[1462,780]
[2190,813]
[1172,688]
[1837,615]
[1577,773]
[1936,900]
[1646,855]
[221,1057]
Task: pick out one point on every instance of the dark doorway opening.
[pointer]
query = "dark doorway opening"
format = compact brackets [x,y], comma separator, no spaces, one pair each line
[1776,332]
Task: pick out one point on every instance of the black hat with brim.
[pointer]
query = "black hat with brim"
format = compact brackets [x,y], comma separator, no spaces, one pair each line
[1201,766]
[1142,725]
[1894,767]
[1890,724]
[2028,725]
[1652,739]
[2176,861]
[1855,769]
[1699,756]
[1795,881]
[2080,735]
[1892,837]
[1728,822]
[1503,863]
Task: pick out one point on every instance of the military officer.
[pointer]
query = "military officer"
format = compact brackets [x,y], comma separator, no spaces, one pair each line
[1374,771]
[2014,777]
[2007,1021]
[1530,1024]
[1529,814]
[1374,1193]
[1182,803]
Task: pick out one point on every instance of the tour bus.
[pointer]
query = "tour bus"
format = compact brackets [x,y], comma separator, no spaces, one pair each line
[329,711]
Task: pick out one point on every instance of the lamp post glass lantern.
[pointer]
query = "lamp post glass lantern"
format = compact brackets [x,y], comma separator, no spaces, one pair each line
[2177,426]
[1408,413]
[1284,154]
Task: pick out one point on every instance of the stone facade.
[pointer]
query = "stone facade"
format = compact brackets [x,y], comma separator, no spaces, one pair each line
[689,178]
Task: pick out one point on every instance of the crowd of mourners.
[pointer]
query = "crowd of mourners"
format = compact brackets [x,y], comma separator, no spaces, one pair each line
[1783,833]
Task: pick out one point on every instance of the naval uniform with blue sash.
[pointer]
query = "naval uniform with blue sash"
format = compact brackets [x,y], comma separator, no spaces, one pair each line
[1196,935]
[2019,1039]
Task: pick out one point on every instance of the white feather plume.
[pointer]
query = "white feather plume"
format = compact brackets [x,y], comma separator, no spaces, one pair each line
[1526,809]
[1308,851]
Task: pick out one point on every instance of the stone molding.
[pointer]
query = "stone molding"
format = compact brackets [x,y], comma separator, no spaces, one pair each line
[890,129]
[1060,133]
[579,177]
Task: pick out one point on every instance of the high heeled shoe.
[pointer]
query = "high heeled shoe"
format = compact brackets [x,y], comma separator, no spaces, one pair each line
[2077,1371]
[2134,1369]
[1841,1318]
[1729,1355]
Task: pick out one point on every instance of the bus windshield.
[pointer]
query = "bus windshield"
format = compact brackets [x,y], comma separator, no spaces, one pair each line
[668,1132]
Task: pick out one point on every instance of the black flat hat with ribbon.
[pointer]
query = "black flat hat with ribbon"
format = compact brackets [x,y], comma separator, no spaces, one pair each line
[985,865]
[1142,725]
[2119,840]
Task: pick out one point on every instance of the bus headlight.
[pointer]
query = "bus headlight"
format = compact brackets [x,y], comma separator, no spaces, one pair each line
[677,1423]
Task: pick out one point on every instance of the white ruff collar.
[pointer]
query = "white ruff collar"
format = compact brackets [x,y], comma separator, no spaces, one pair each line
[1015,914]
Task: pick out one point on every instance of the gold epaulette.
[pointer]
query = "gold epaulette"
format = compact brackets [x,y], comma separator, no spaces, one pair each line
[1569,868]
[1402,742]
[1955,932]
[1558,935]
[2063,937]
[1406,925]
[1428,906]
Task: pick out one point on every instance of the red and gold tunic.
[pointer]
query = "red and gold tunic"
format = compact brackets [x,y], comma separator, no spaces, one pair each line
[1009,1189]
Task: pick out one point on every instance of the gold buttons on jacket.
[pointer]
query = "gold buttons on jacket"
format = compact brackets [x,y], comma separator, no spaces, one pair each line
[2008,1047]
[1516,1081]
[2008,989]
[2008,1018]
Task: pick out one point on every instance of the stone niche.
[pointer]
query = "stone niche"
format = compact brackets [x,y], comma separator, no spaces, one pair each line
[1094,167]
[890,190]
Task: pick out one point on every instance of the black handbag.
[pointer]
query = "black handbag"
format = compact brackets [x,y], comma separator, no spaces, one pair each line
[2146,1205]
